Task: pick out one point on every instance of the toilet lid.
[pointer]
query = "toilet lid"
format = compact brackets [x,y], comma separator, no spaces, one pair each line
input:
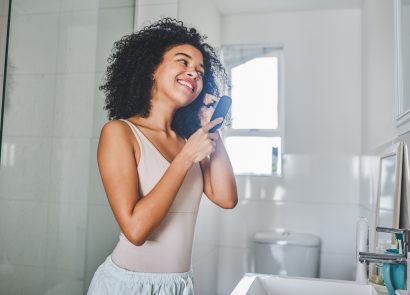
[286,238]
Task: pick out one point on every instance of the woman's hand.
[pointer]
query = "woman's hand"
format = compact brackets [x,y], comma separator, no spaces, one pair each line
[202,143]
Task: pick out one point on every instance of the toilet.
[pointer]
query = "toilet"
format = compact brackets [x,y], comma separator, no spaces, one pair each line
[281,252]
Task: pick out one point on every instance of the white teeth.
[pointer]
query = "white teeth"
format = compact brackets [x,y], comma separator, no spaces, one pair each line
[186,84]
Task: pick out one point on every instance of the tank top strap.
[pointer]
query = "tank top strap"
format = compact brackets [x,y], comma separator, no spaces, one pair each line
[136,132]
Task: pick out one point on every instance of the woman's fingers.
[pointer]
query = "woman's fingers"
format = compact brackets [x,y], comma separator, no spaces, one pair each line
[213,123]
[203,143]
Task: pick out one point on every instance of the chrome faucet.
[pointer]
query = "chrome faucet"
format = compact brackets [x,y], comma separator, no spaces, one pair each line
[401,258]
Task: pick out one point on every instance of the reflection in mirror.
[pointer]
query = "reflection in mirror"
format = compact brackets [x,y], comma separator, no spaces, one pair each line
[388,203]
[313,126]
[389,196]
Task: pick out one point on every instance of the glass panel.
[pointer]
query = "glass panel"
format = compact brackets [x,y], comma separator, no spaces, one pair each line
[56,226]
[255,94]
[387,194]
[255,155]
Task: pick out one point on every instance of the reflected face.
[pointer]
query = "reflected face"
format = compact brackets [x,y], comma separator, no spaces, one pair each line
[208,109]
[179,76]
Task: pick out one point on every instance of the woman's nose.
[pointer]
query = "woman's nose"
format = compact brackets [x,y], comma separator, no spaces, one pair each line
[193,74]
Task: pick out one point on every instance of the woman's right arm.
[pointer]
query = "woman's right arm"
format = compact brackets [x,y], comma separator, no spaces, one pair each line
[136,216]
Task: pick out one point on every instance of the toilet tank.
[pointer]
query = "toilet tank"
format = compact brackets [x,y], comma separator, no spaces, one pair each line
[287,253]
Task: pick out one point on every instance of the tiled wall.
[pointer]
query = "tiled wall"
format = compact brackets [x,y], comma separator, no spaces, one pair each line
[148,11]
[49,180]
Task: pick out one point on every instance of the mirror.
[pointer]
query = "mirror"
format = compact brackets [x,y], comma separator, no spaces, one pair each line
[320,187]
[402,66]
[389,194]
[388,198]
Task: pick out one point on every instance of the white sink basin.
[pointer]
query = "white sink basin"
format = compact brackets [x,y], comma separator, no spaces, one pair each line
[259,284]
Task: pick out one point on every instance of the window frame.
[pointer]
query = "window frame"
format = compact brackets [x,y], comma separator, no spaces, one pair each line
[277,51]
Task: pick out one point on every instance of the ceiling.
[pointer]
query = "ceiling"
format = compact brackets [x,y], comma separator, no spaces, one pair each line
[268,6]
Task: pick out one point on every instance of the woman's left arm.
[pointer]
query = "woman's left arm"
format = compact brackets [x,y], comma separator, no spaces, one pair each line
[219,180]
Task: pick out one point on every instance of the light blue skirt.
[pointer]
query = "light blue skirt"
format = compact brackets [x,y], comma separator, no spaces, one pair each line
[110,279]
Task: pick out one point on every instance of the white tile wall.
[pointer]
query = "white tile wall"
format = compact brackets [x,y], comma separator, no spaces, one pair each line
[39,34]
[326,177]
[208,225]
[148,13]
[25,171]
[29,105]
[102,235]
[74,100]
[67,5]
[238,225]
[112,25]
[205,274]
[337,266]
[77,42]
[233,263]
[35,7]
[23,223]
[11,282]
[60,282]
[66,240]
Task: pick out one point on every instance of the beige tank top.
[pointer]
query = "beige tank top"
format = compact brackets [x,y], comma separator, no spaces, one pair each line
[169,247]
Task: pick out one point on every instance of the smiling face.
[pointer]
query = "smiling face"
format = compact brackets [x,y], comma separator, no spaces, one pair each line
[179,76]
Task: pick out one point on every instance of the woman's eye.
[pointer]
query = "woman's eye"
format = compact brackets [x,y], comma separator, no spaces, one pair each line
[183,61]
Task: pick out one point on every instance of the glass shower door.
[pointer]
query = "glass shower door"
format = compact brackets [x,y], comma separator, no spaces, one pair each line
[56,226]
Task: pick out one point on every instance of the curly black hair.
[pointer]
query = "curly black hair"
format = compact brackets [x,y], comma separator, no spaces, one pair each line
[133,61]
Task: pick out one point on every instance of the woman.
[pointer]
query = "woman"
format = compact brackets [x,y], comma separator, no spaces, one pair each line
[156,156]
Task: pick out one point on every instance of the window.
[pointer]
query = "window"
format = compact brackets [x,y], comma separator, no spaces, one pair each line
[255,139]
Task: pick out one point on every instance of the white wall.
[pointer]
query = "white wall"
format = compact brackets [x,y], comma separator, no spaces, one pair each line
[319,190]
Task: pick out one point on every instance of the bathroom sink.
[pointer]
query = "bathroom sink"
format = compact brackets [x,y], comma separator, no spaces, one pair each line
[260,284]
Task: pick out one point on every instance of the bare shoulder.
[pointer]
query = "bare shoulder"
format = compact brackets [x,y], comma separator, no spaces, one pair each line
[115,128]
[116,135]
